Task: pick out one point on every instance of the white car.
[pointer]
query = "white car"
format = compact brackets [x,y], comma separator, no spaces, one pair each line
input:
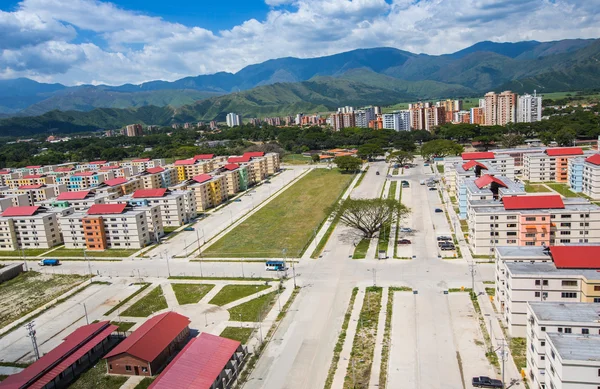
[405,229]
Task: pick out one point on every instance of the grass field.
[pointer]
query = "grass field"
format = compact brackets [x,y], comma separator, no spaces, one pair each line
[92,254]
[147,305]
[231,293]
[31,290]
[253,310]
[440,168]
[96,377]
[191,293]
[563,189]
[143,286]
[360,251]
[296,159]
[123,325]
[518,349]
[288,222]
[28,253]
[533,188]
[241,334]
[145,383]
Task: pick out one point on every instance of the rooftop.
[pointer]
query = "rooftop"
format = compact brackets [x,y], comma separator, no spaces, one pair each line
[79,195]
[190,161]
[486,180]
[145,193]
[576,257]
[21,211]
[567,312]
[97,162]
[563,151]
[594,159]
[231,166]
[477,155]
[570,205]
[116,181]
[141,160]
[245,158]
[33,176]
[202,178]
[157,169]
[572,347]
[533,202]
[85,174]
[35,186]
[106,209]
[204,156]
[471,164]
[546,269]
[254,154]
[522,252]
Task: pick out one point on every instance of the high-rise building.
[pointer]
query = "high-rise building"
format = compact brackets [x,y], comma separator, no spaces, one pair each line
[346,109]
[500,109]
[364,116]
[341,120]
[255,121]
[213,125]
[477,115]
[233,119]
[134,130]
[398,120]
[529,108]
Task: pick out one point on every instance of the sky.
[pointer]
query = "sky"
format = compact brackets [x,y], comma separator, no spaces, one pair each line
[133,41]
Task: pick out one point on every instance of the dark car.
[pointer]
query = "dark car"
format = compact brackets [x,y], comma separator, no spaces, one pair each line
[447,247]
[432,188]
[444,243]
[404,241]
[486,382]
[188,229]
[377,173]
[438,210]
[443,238]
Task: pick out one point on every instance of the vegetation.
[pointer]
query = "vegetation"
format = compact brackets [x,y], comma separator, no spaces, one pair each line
[363,347]
[124,326]
[562,189]
[296,159]
[533,188]
[191,293]
[518,349]
[340,343]
[287,222]
[145,383]
[369,215]
[360,251]
[384,238]
[19,253]
[223,278]
[230,293]
[490,291]
[126,300]
[92,254]
[96,377]
[253,310]
[400,157]
[152,302]
[348,163]
[241,334]
[440,148]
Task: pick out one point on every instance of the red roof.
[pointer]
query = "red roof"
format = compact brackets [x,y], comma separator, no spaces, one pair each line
[109,167]
[85,174]
[152,337]
[141,160]
[4,171]
[33,176]
[116,181]
[594,159]
[486,180]
[106,209]
[473,163]
[533,202]
[253,154]
[49,366]
[21,211]
[79,195]
[143,193]
[33,166]
[36,186]
[97,162]
[190,161]
[204,156]
[478,155]
[231,166]
[245,158]
[198,365]
[558,151]
[576,257]
[63,169]
[202,178]
[157,169]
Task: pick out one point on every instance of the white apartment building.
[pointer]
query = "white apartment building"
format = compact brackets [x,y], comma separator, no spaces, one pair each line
[529,108]
[364,116]
[118,187]
[144,163]
[159,177]
[6,175]
[78,201]
[38,193]
[472,165]
[572,361]
[28,227]
[550,165]
[544,317]
[122,171]
[397,120]
[485,187]
[590,181]
[541,220]
[233,119]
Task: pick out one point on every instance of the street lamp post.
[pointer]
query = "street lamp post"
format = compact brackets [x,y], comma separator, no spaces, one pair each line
[88,261]
[87,320]
[167,257]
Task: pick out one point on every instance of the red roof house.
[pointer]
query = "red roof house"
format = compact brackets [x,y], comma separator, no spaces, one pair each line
[106,209]
[34,186]
[79,195]
[245,158]
[202,178]
[141,160]
[486,179]
[147,349]
[594,159]
[472,163]
[21,211]
[204,156]
[564,151]
[116,181]
[477,155]
[231,166]
[254,154]
[576,257]
[181,162]
[154,170]
[533,202]
[145,193]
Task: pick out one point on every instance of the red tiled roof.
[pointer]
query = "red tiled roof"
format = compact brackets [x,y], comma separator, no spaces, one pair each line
[49,366]
[594,159]
[576,257]
[106,209]
[79,195]
[478,155]
[152,337]
[231,166]
[198,365]
[533,202]
[190,161]
[33,167]
[143,193]
[85,174]
[473,163]
[109,167]
[558,151]
[33,176]
[35,186]
[157,169]
[141,160]
[21,211]
[486,180]
[116,181]
[97,162]
[204,156]
[245,158]
[254,154]
[202,178]
[63,169]
[4,171]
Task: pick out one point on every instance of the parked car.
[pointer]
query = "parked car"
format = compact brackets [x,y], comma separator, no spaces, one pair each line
[406,166]
[377,173]
[425,164]
[432,188]
[439,210]
[404,241]
[237,200]
[447,247]
[443,238]
[422,182]
[404,182]
[405,229]
[188,229]
[486,382]
[405,186]
[49,262]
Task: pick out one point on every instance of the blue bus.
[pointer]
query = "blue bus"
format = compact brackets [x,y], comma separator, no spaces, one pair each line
[275,265]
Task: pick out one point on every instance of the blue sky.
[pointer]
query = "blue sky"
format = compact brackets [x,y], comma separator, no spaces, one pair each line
[133,41]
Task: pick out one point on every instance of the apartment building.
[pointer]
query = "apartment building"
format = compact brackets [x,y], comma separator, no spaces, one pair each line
[121,171]
[78,201]
[26,180]
[550,165]
[176,207]
[81,180]
[236,177]
[6,175]
[472,165]
[575,173]
[485,187]
[500,109]
[159,177]
[39,192]
[545,317]
[556,274]
[28,227]
[106,226]
[118,187]
[590,176]
[572,361]
[477,115]
[93,165]
[529,108]
[189,168]
[541,220]
[257,164]
[209,191]
[144,163]
[397,120]
[133,130]
[233,119]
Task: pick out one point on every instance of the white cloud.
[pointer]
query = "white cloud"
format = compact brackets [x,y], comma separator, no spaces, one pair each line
[38,40]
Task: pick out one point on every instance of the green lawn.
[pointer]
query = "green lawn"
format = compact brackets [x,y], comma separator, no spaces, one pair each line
[28,253]
[360,251]
[168,230]
[384,238]
[440,168]
[30,290]
[253,310]
[562,189]
[392,192]
[191,293]
[147,305]
[123,325]
[533,188]
[490,291]
[296,159]
[288,222]
[236,333]
[231,293]
[144,285]
[144,383]
[92,254]
[96,377]
[518,349]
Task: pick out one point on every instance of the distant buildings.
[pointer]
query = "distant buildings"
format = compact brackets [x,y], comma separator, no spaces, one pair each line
[426,116]
[500,109]
[397,121]
[529,108]
[233,119]
[134,130]
[477,115]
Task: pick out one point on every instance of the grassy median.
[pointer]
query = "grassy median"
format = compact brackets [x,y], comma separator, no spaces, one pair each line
[152,302]
[190,293]
[288,222]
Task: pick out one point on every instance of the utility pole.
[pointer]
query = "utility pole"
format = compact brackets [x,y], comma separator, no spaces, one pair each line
[503,354]
[88,261]
[31,333]
[473,271]
[374,276]
[199,251]
[86,315]
[168,268]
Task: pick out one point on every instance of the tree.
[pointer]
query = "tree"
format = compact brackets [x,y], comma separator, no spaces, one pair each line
[565,137]
[440,148]
[512,140]
[369,215]
[369,151]
[347,163]
[400,157]
[315,158]
[546,137]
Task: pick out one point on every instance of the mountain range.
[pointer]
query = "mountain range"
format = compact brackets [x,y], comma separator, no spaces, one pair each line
[289,85]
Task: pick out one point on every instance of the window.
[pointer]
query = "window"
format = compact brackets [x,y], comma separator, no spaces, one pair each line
[144,369]
[530,219]
[511,233]
[545,282]
[559,330]
[569,283]
[568,330]
[110,366]
[543,329]
[565,216]
[568,295]
[596,288]
[565,224]
[543,357]
[543,343]
[537,294]
[585,331]
[511,225]
[538,282]
[127,367]
[511,218]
